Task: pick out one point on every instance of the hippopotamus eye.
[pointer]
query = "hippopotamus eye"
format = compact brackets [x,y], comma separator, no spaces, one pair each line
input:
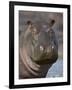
[41,48]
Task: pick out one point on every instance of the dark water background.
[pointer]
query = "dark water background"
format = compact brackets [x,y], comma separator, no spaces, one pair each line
[56,70]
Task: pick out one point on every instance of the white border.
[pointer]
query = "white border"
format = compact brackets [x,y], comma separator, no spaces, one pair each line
[17,81]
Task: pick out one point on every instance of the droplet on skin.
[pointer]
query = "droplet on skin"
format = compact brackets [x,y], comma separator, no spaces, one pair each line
[41,48]
[52,47]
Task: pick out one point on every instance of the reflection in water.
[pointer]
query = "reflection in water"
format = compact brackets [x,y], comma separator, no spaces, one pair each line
[56,70]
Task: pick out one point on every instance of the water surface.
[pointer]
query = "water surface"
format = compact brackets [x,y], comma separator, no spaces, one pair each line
[56,70]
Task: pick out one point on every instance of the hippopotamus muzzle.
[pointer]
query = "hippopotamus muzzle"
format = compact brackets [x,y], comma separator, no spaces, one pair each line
[45,48]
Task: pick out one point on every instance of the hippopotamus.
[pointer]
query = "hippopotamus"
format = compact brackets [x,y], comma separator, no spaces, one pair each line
[38,51]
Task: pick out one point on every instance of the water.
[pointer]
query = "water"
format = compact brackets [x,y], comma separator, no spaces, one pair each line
[56,70]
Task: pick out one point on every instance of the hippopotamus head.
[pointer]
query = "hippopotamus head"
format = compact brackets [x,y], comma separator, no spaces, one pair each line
[41,45]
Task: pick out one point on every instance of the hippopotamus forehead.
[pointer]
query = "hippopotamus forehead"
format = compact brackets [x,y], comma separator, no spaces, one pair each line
[40,25]
[43,37]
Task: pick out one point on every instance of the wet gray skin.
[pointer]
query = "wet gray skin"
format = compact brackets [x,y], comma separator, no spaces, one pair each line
[38,48]
[42,45]
[44,48]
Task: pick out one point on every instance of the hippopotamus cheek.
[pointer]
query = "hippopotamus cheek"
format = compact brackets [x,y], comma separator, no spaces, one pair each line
[36,53]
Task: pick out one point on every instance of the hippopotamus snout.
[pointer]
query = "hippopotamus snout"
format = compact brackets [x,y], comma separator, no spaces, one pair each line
[49,54]
[49,49]
[45,47]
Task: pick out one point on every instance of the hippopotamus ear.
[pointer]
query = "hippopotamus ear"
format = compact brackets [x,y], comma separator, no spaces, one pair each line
[32,27]
[52,22]
[29,23]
